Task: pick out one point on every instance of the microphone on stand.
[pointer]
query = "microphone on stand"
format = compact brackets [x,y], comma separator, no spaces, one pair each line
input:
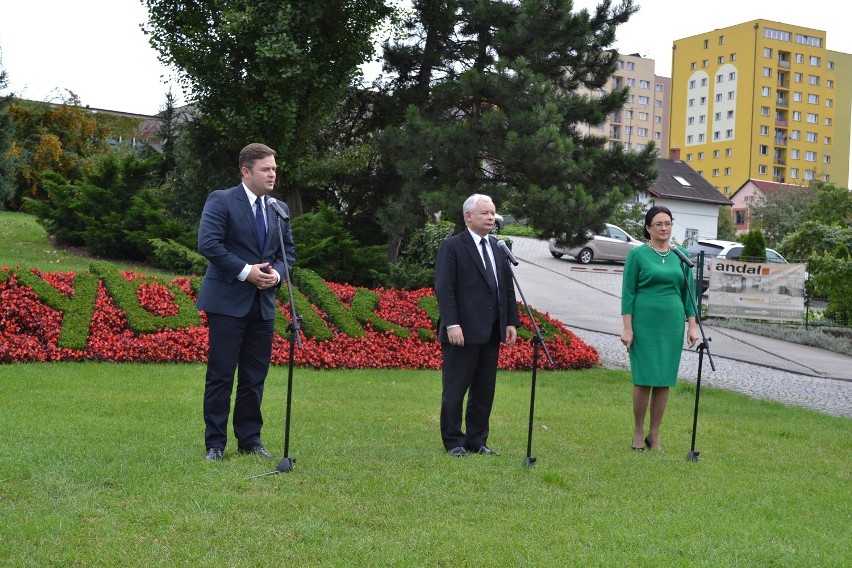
[502,245]
[276,206]
[683,258]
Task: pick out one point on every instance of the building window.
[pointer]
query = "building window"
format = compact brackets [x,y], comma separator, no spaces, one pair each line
[764,111]
[763,149]
[704,81]
[827,140]
[829,64]
[721,60]
[705,63]
[693,66]
[797,116]
[797,77]
[794,173]
[767,72]
[691,103]
[644,100]
[794,154]
[658,104]
[644,84]
[700,155]
[702,119]
[727,171]
[715,172]
[829,102]
[829,84]
[701,138]
[731,95]
[800,58]
[812,118]
[729,152]
[659,87]
[826,159]
[813,80]
[657,135]
[715,153]
[706,43]
[689,139]
[732,75]
[717,135]
[717,116]
[733,57]
[767,52]
[740,216]
[689,157]
[795,134]
[718,97]
[720,78]
[642,132]
[765,91]
[761,170]
[828,121]
[631,66]
[814,60]
[810,156]
[797,96]
[813,99]
[809,175]
[631,82]
[730,114]
[811,136]
[764,130]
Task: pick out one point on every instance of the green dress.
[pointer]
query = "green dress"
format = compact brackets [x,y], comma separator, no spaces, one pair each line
[655,293]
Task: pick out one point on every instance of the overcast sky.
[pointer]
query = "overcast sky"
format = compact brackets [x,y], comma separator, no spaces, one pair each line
[96,49]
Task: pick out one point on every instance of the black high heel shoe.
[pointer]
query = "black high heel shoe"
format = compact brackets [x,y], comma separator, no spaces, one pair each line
[647,442]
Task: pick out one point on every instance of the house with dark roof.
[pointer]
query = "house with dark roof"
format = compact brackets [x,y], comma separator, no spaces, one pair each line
[693,201]
[754,190]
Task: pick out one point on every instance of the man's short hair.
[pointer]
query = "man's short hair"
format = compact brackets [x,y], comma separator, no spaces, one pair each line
[253,152]
[471,202]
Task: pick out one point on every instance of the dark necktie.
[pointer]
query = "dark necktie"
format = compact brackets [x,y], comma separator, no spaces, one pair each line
[261,224]
[492,278]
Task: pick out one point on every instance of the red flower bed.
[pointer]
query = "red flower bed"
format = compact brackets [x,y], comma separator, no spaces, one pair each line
[30,330]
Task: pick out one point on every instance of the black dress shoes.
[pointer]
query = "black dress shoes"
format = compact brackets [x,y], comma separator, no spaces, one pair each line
[458,452]
[257,450]
[214,455]
[486,451]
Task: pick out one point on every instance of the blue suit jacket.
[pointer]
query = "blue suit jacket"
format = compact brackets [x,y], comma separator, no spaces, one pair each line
[465,296]
[227,238]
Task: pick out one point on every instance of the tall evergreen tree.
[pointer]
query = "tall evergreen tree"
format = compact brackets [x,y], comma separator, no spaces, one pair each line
[268,71]
[496,93]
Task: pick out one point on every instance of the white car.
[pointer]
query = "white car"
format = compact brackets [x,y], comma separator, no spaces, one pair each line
[613,243]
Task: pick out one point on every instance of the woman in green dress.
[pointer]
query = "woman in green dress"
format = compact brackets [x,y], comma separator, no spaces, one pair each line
[654,302]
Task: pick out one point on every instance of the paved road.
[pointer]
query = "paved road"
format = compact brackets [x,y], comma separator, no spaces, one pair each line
[587,299]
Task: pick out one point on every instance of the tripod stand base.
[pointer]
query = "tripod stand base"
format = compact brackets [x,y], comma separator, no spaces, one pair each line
[286,464]
[529,462]
[692,456]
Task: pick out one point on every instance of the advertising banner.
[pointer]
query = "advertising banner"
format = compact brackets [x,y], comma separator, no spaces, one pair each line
[752,290]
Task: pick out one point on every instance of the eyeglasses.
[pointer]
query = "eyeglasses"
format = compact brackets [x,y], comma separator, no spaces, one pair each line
[660,225]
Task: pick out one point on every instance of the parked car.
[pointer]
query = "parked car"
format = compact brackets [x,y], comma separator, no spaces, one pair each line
[726,250]
[613,243]
[498,223]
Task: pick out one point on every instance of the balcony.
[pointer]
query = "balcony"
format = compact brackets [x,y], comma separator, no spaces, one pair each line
[783,64]
[782,102]
[780,141]
[779,122]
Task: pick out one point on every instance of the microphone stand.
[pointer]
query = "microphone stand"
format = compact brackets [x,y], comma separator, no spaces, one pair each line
[286,463]
[537,340]
[692,455]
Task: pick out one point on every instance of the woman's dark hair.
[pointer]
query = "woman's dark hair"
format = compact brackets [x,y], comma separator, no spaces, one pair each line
[649,216]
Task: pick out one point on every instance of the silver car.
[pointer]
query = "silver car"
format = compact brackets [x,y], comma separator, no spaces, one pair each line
[613,243]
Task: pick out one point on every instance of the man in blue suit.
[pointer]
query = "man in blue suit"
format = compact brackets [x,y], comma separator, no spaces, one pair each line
[478,310]
[246,262]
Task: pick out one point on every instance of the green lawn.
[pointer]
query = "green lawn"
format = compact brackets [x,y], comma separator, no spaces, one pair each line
[102,465]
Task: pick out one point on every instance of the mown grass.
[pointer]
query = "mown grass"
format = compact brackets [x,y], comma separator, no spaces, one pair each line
[102,465]
[25,243]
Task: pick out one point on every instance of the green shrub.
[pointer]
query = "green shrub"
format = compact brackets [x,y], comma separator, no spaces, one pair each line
[172,255]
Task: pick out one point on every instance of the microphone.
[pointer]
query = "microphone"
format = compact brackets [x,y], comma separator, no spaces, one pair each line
[683,258]
[502,245]
[276,206]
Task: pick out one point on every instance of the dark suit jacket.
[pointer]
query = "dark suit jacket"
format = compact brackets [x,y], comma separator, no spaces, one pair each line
[465,297]
[227,237]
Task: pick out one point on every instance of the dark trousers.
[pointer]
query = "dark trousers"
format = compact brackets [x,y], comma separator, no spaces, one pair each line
[243,343]
[471,369]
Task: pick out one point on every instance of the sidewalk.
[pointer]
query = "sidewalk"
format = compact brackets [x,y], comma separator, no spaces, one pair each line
[588,297]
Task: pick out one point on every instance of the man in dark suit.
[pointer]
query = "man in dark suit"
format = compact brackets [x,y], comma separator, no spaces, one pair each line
[237,235]
[478,310]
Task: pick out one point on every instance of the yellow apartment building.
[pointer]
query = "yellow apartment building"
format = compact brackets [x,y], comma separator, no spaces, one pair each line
[761,100]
